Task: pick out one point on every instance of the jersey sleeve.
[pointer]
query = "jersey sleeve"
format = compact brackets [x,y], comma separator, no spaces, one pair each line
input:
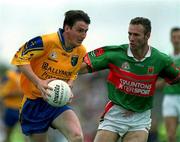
[170,72]
[31,49]
[97,59]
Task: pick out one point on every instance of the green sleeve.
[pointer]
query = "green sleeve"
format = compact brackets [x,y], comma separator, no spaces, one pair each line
[170,72]
[97,59]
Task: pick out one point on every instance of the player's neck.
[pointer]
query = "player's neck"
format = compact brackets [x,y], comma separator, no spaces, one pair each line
[140,53]
[64,41]
[68,47]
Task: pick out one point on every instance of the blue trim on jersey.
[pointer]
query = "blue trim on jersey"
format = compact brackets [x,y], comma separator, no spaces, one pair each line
[33,44]
[60,34]
[11,117]
[61,38]
[37,116]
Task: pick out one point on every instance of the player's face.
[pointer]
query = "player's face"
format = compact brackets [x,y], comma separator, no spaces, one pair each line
[137,37]
[175,39]
[77,33]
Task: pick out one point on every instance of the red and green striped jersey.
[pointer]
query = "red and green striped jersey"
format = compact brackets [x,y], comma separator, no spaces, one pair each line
[131,83]
[173,89]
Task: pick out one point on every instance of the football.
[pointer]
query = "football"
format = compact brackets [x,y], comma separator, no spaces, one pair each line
[60,95]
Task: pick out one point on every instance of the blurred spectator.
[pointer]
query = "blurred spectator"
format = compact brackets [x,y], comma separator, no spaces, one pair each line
[171,105]
[11,96]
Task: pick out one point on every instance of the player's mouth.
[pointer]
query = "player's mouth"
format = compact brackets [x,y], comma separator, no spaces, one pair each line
[132,45]
[79,41]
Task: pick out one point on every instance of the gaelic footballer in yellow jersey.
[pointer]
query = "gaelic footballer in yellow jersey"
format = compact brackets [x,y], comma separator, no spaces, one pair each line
[48,58]
[42,59]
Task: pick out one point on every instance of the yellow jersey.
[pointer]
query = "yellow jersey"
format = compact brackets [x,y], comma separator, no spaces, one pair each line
[11,91]
[48,59]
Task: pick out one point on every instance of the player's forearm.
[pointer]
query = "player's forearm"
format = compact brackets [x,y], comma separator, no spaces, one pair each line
[160,84]
[70,83]
[83,69]
[28,72]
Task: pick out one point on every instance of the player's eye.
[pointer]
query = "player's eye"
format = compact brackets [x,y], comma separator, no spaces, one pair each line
[81,30]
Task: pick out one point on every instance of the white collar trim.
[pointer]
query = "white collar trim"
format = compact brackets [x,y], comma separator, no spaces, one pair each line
[130,54]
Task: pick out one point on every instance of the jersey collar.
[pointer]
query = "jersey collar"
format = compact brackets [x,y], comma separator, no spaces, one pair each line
[61,38]
[130,54]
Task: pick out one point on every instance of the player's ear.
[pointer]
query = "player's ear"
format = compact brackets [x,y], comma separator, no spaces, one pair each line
[66,28]
[147,35]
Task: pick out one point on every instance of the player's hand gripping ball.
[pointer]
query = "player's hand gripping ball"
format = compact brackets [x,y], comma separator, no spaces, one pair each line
[61,93]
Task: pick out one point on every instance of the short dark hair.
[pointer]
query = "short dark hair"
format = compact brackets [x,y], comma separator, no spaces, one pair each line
[72,16]
[145,22]
[174,29]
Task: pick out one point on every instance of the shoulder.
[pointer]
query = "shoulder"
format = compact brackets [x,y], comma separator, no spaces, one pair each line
[35,42]
[112,48]
[82,48]
[159,54]
[108,50]
[50,38]
[161,57]
[116,47]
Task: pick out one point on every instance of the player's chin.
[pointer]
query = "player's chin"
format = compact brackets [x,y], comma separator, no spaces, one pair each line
[78,43]
[133,47]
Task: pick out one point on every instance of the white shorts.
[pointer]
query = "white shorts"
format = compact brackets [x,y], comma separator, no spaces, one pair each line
[115,122]
[171,105]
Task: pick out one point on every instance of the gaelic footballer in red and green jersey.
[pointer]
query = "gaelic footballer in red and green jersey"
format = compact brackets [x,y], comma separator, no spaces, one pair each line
[131,83]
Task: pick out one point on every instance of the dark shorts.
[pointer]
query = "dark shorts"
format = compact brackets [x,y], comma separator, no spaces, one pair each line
[37,115]
[11,117]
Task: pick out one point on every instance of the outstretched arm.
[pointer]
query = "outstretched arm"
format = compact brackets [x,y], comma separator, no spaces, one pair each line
[160,84]
[83,69]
